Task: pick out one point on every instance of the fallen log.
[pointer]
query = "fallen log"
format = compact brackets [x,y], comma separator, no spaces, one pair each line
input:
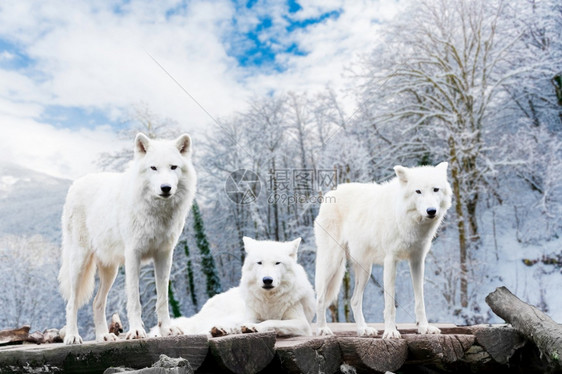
[535,325]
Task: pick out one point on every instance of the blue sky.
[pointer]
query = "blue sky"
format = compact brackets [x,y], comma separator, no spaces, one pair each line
[69,79]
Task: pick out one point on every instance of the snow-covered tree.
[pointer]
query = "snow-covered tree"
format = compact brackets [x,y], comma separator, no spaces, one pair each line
[29,269]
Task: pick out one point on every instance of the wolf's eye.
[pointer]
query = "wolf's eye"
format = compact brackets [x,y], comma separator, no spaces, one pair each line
[174,167]
[153,168]
[418,192]
[259,262]
[277,263]
[436,189]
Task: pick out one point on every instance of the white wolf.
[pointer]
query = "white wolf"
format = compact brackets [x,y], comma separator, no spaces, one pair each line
[111,219]
[274,295]
[379,224]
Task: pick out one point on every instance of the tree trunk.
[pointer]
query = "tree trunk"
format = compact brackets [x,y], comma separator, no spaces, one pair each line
[460,222]
[531,322]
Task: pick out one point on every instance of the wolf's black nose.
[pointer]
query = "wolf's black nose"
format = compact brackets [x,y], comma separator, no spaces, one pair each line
[431,212]
[166,188]
[267,281]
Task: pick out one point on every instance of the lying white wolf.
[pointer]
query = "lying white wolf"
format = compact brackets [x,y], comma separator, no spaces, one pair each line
[111,219]
[274,295]
[379,224]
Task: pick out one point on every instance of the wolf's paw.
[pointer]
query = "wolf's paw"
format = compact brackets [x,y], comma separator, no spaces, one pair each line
[391,334]
[136,333]
[170,331]
[367,331]
[324,331]
[218,332]
[107,337]
[428,329]
[248,329]
[72,339]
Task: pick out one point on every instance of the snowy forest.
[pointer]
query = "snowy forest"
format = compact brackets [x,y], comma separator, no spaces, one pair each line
[476,83]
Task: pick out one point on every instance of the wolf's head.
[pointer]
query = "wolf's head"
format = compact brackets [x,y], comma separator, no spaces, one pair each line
[162,163]
[268,264]
[425,190]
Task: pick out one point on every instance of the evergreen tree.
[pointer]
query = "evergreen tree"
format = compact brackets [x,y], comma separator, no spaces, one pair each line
[190,281]
[174,304]
[207,261]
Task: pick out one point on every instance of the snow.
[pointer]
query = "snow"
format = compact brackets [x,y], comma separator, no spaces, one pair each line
[6,184]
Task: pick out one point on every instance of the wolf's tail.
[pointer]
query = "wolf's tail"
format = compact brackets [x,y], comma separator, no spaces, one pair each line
[330,260]
[78,268]
[78,280]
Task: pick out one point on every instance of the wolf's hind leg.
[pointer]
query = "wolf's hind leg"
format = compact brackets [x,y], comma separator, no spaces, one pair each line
[362,273]
[77,276]
[107,276]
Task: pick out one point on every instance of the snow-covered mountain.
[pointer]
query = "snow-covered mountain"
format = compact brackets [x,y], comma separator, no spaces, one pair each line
[30,202]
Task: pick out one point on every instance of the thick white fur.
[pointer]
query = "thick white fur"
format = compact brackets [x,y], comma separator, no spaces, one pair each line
[287,308]
[379,224]
[110,219]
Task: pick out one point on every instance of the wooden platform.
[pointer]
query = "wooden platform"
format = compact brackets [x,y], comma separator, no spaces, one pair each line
[458,349]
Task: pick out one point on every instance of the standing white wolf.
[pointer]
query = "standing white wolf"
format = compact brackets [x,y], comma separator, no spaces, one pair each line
[379,224]
[110,219]
[274,295]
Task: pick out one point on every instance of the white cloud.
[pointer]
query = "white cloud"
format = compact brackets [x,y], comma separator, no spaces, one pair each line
[63,153]
[95,55]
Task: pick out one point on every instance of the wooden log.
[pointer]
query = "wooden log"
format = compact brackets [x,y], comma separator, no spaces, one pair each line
[243,353]
[444,349]
[96,357]
[14,336]
[309,355]
[367,354]
[500,342]
[531,322]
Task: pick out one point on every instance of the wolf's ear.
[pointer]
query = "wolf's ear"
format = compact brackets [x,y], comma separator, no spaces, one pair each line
[247,243]
[142,142]
[184,144]
[401,173]
[295,247]
[443,166]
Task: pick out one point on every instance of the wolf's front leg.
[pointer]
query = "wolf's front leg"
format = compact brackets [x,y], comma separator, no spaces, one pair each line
[282,327]
[134,310]
[389,275]
[294,322]
[162,267]
[417,271]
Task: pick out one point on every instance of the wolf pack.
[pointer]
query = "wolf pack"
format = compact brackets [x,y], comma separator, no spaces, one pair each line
[131,218]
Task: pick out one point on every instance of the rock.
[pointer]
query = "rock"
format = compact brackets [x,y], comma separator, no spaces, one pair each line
[165,365]
[119,369]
